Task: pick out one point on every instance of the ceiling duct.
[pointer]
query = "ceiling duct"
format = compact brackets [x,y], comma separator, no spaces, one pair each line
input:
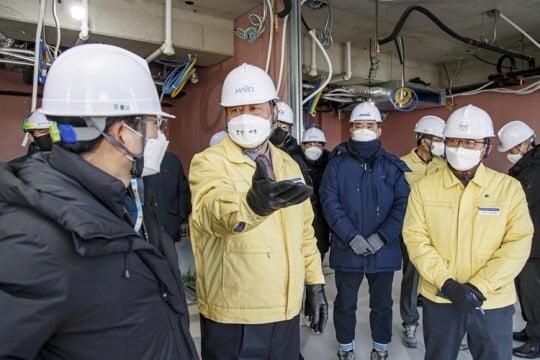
[380,94]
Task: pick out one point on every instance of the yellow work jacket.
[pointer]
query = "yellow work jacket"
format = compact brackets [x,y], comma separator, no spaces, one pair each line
[419,168]
[479,234]
[255,275]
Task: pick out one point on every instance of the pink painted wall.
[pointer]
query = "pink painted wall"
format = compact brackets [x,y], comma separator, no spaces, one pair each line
[13,109]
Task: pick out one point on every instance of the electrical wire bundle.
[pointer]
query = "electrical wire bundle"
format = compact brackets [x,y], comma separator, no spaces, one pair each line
[250,34]
[178,75]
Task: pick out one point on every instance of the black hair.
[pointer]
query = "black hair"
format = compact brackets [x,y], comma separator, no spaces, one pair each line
[80,147]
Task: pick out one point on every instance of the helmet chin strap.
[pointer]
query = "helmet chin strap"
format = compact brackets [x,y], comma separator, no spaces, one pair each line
[137,161]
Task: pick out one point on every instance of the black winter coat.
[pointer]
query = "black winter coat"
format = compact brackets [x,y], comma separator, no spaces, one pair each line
[527,171]
[76,282]
[316,171]
[171,193]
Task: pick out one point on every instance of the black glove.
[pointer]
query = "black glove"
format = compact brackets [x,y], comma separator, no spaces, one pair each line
[465,297]
[375,242]
[318,306]
[267,196]
[360,246]
[184,232]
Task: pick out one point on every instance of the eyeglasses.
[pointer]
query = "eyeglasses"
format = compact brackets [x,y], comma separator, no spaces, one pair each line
[465,143]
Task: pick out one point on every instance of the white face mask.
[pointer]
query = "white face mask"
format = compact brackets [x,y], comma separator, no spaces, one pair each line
[313,153]
[438,148]
[462,159]
[154,151]
[514,158]
[249,131]
[364,135]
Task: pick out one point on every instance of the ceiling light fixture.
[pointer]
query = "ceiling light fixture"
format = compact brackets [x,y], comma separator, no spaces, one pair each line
[77,12]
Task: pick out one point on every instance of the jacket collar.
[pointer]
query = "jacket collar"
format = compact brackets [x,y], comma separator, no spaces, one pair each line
[480,177]
[107,189]
[235,154]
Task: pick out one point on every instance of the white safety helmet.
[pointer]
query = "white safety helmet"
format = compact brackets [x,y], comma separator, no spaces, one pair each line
[217,137]
[313,134]
[430,125]
[512,134]
[365,111]
[35,121]
[285,113]
[99,80]
[469,122]
[247,84]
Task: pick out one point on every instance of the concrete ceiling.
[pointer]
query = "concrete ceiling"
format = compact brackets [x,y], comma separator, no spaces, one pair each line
[354,20]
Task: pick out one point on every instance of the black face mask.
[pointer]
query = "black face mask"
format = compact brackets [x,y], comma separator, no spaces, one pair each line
[279,136]
[43,142]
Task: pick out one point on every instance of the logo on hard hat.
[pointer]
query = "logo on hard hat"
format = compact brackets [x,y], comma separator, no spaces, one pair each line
[121,107]
[463,126]
[244,89]
[365,114]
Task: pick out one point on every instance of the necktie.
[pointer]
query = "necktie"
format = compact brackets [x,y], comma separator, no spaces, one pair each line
[267,165]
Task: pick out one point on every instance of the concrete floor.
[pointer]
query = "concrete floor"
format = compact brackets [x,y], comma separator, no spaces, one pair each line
[324,347]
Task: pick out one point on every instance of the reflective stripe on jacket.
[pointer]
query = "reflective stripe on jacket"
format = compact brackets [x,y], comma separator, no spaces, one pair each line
[479,234]
[256,275]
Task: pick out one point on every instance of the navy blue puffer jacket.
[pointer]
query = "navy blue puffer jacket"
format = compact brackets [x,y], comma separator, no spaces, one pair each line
[364,196]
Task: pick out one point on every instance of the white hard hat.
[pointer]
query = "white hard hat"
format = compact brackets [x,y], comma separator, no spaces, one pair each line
[285,113]
[512,134]
[431,125]
[98,80]
[217,137]
[365,111]
[469,122]
[313,134]
[35,121]
[247,84]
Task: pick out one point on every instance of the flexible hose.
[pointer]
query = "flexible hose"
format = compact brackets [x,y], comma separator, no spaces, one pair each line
[271,30]
[282,59]
[450,32]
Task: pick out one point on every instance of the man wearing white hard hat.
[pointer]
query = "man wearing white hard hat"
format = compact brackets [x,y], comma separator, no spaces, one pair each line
[364,195]
[468,233]
[423,160]
[36,130]
[86,271]
[253,241]
[316,158]
[282,138]
[517,140]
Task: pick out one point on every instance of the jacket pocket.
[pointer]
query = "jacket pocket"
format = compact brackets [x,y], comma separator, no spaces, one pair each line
[252,279]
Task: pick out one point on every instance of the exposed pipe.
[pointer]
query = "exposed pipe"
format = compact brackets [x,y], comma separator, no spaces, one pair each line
[282,55]
[39,28]
[271,39]
[325,54]
[15,62]
[348,67]
[450,32]
[519,29]
[58,34]
[83,35]
[167,47]
[313,67]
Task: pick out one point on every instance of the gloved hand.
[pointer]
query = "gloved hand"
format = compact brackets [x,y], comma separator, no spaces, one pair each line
[465,297]
[375,242]
[318,306]
[184,231]
[360,246]
[267,196]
